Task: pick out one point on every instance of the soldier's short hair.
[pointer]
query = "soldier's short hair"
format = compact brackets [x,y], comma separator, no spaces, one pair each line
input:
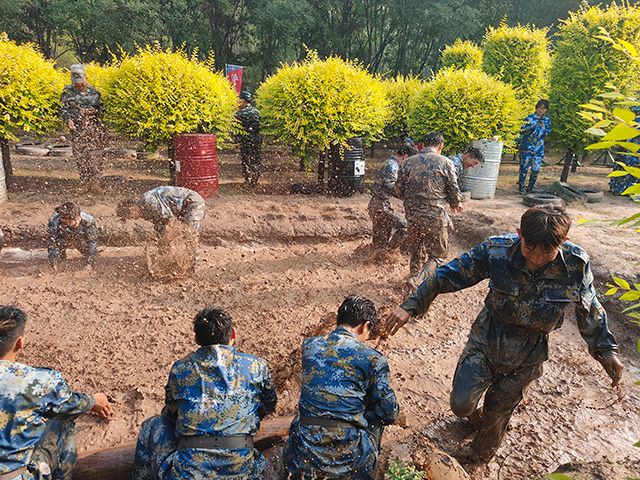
[545,226]
[475,153]
[543,103]
[405,149]
[212,326]
[68,211]
[12,323]
[357,310]
[433,139]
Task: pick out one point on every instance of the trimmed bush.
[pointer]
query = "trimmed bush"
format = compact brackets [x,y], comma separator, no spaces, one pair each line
[29,90]
[465,105]
[584,65]
[400,92]
[99,76]
[520,57]
[157,94]
[461,55]
[318,103]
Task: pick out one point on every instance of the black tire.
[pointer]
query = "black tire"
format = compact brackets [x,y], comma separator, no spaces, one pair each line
[61,150]
[537,199]
[33,149]
[593,195]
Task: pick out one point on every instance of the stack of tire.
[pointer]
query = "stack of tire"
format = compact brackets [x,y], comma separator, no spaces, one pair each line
[561,192]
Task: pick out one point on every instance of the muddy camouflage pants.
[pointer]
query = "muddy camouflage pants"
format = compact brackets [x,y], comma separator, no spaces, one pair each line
[88,144]
[428,243]
[55,455]
[387,227]
[250,150]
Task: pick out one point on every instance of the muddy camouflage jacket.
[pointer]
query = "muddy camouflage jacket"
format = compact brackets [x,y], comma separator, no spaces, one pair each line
[74,104]
[384,183]
[218,391]
[163,204]
[533,135]
[523,307]
[427,181]
[249,117]
[29,397]
[344,379]
[61,237]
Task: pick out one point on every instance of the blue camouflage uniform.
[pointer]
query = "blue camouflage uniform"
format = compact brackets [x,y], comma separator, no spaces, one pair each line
[163,204]
[383,218]
[458,167]
[250,143]
[343,380]
[533,133]
[37,427]
[84,238]
[215,391]
[508,341]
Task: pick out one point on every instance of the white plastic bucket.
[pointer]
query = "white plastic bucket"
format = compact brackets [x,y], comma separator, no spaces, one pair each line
[481,180]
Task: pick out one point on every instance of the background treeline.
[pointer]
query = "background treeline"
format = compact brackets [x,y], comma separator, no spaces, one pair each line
[389,36]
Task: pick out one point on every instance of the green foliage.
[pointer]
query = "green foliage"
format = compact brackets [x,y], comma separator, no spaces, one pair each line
[519,56]
[157,94]
[461,55]
[400,92]
[100,76]
[465,105]
[316,103]
[558,476]
[29,90]
[584,65]
[400,471]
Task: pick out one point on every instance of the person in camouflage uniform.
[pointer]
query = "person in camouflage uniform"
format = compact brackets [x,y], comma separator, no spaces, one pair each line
[214,401]
[471,157]
[251,141]
[1,239]
[37,411]
[81,106]
[384,219]
[345,401]
[70,227]
[534,277]
[536,127]
[427,183]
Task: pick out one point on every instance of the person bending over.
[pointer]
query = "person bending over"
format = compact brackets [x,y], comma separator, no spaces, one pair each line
[70,227]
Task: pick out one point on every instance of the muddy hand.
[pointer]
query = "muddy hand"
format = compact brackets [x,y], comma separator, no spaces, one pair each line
[102,406]
[398,318]
[614,368]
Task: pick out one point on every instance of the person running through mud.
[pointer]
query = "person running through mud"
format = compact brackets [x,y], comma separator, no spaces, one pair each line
[471,157]
[345,400]
[37,411]
[214,401]
[250,141]
[426,184]
[81,106]
[534,276]
[387,227]
[70,227]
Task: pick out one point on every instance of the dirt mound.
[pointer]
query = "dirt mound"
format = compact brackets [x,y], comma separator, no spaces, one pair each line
[173,256]
[630,468]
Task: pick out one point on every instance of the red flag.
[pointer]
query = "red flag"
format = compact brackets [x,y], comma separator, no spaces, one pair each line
[234,75]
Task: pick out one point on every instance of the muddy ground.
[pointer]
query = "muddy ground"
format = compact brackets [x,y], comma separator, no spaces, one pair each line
[279,263]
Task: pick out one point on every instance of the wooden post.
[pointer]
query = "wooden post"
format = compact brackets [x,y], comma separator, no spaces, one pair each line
[6,163]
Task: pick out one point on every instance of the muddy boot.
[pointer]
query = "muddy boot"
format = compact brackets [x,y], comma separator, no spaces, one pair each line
[475,419]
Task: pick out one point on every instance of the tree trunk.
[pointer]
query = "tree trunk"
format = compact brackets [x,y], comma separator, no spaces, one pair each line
[321,164]
[568,161]
[6,163]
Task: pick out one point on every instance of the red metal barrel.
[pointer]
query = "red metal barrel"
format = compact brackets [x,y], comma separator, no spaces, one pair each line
[196,160]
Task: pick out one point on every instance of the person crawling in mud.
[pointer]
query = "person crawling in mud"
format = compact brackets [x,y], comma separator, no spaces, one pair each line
[37,411]
[214,401]
[534,277]
[345,401]
[70,227]
[163,204]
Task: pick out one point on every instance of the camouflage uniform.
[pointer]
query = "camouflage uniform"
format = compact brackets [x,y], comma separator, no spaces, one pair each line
[427,183]
[215,391]
[37,422]
[250,143]
[163,204]
[384,220]
[458,166]
[342,379]
[508,342]
[89,137]
[533,133]
[84,238]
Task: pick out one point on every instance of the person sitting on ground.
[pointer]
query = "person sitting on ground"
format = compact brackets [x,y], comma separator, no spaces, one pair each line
[214,401]
[535,129]
[37,411]
[534,277]
[345,401]
[70,227]
[384,219]
[471,157]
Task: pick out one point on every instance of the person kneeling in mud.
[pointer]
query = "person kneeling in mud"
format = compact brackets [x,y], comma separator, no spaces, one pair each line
[534,277]
[38,411]
[214,401]
[345,401]
[71,227]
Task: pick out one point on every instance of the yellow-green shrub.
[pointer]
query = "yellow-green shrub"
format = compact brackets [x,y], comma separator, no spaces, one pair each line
[316,103]
[157,94]
[99,76]
[30,90]
[584,65]
[460,55]
[465,105]
[520,57]
[400,92]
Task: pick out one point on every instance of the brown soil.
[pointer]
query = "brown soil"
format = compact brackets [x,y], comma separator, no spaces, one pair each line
[279,264]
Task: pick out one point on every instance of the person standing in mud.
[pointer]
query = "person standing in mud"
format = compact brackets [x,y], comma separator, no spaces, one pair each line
[534,276]
[384,220]
[346,400]
[536,128]
[427,184]
[70,227]
[81,106]
[250,141]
